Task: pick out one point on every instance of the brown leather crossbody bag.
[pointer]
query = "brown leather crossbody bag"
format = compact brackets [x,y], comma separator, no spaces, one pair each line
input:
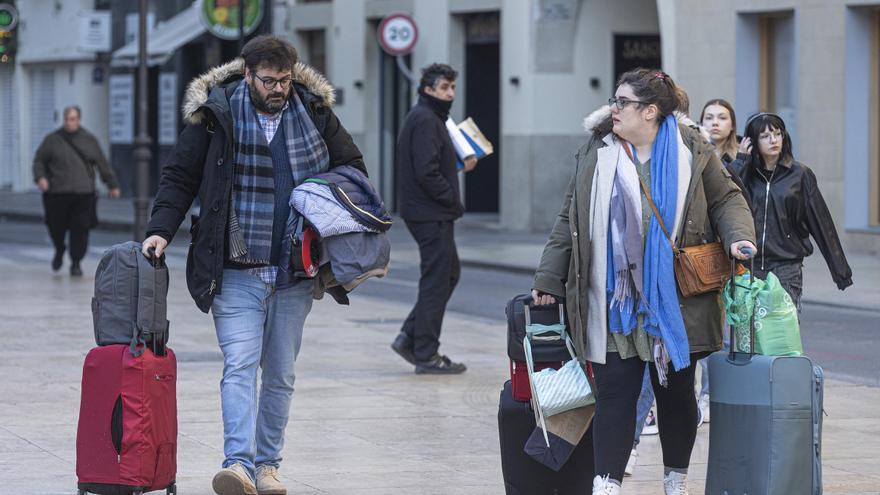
[698,269]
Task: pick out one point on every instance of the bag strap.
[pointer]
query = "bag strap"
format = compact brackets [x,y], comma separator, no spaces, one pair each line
[78,152]
[647,194]
[531,331]
[535,330]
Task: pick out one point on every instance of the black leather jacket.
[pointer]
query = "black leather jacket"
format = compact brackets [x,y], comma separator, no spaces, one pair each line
[788,208]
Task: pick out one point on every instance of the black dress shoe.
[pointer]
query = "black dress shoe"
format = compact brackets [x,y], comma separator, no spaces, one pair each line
[440,365]
[403,346]
[75,270]
[57,260]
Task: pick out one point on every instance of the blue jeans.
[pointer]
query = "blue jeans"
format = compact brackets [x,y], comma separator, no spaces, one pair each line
[257,326]
[643,407]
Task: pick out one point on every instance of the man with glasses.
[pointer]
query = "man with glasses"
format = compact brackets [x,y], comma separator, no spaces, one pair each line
[256,128]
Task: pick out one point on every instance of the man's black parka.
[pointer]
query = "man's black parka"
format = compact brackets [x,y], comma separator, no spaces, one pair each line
[201,164]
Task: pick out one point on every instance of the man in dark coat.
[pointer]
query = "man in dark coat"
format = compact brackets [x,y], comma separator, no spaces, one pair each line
[256,128]
[430,202]
[64,170]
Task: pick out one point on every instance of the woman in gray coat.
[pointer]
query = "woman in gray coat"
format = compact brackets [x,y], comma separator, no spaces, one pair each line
[609,257]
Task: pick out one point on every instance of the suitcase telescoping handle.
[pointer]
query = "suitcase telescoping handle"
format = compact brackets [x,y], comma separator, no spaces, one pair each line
[157,342]
[733,354]
[527,314]
[156,261]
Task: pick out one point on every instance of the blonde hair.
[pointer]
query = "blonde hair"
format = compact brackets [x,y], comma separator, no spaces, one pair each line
[729,146]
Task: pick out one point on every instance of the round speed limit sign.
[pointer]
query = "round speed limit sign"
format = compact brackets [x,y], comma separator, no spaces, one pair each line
[398,34]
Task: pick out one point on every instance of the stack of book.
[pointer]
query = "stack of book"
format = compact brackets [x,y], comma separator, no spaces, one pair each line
[468,140]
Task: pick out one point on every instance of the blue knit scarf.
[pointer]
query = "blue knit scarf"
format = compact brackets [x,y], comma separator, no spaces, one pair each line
[658,303]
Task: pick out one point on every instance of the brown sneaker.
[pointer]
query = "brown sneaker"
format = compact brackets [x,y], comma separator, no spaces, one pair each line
[234,480]
[268,482]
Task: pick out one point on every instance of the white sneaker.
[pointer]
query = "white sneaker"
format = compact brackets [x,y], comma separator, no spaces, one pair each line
[675,484]
[703,407]
[650,424]
[631,463]
[604,486]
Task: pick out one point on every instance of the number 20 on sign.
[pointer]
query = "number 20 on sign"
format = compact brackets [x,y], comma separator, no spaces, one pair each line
[398,34]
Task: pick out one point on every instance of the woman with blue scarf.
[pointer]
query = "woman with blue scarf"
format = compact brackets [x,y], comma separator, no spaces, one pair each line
[610,259]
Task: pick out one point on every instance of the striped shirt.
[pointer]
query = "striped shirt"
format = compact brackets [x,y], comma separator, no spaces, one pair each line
[270,123]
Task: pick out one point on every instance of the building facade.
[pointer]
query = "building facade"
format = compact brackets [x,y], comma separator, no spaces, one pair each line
[58,62]
[814,62]
[530,70]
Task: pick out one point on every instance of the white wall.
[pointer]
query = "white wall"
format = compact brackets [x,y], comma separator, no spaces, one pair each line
[562,100]
[707,70]
[47,33]
[48,39]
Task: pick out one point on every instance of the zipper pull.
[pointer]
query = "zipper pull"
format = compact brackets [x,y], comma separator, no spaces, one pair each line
[118,459]
[213,286]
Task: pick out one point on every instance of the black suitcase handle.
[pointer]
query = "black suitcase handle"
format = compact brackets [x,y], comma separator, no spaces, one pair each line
[734,356]
[158,341]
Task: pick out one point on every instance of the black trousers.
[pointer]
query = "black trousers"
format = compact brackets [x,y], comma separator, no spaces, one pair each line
[440,270]
[618,384]
[790,275]
[70,212]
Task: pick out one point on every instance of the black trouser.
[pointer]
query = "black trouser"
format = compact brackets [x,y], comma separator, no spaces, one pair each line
[618,383]
[440,270]
[73,212]
[790,275]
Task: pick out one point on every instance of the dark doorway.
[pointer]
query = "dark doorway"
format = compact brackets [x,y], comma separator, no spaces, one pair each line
[483,103]
[632,51]
[394,102]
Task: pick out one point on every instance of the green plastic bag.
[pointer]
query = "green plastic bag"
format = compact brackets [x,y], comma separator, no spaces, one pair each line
[777,331]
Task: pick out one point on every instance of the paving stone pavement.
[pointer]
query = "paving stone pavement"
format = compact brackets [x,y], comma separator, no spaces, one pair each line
[362,422]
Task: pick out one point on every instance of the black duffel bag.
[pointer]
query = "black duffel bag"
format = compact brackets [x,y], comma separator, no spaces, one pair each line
[543,351]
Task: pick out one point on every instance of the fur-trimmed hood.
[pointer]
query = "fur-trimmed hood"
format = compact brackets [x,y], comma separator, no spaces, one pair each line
[199,90]
[599,122]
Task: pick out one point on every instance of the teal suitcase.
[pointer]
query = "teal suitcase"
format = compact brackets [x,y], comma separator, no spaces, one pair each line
[766,432]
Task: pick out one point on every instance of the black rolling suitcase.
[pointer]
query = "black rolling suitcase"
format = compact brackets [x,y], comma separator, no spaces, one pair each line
[525,476]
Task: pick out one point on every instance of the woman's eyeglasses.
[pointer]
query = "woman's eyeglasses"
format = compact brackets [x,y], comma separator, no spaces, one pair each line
[621,103]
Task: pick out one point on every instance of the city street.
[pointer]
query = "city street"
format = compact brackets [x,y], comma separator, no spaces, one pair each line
[362,422]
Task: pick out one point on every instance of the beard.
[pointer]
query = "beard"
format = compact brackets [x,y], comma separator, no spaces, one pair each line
[271,104]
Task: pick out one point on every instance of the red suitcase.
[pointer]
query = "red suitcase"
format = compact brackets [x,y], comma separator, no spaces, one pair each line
[519,378]
[126,442]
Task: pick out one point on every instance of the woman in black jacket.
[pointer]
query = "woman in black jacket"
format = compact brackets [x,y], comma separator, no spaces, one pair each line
[787,207]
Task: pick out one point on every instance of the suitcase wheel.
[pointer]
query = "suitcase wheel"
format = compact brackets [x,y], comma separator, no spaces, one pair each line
[172,489]
[82,492]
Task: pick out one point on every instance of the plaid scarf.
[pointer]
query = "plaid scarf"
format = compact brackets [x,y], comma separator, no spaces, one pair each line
[253,188]
[625,248]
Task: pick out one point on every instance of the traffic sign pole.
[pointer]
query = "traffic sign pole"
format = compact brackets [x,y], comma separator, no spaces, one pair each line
[398,35]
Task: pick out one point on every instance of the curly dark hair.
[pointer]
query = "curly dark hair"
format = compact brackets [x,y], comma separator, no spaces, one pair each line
[433,73]
[655,87]
[270,52]
[651,86]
